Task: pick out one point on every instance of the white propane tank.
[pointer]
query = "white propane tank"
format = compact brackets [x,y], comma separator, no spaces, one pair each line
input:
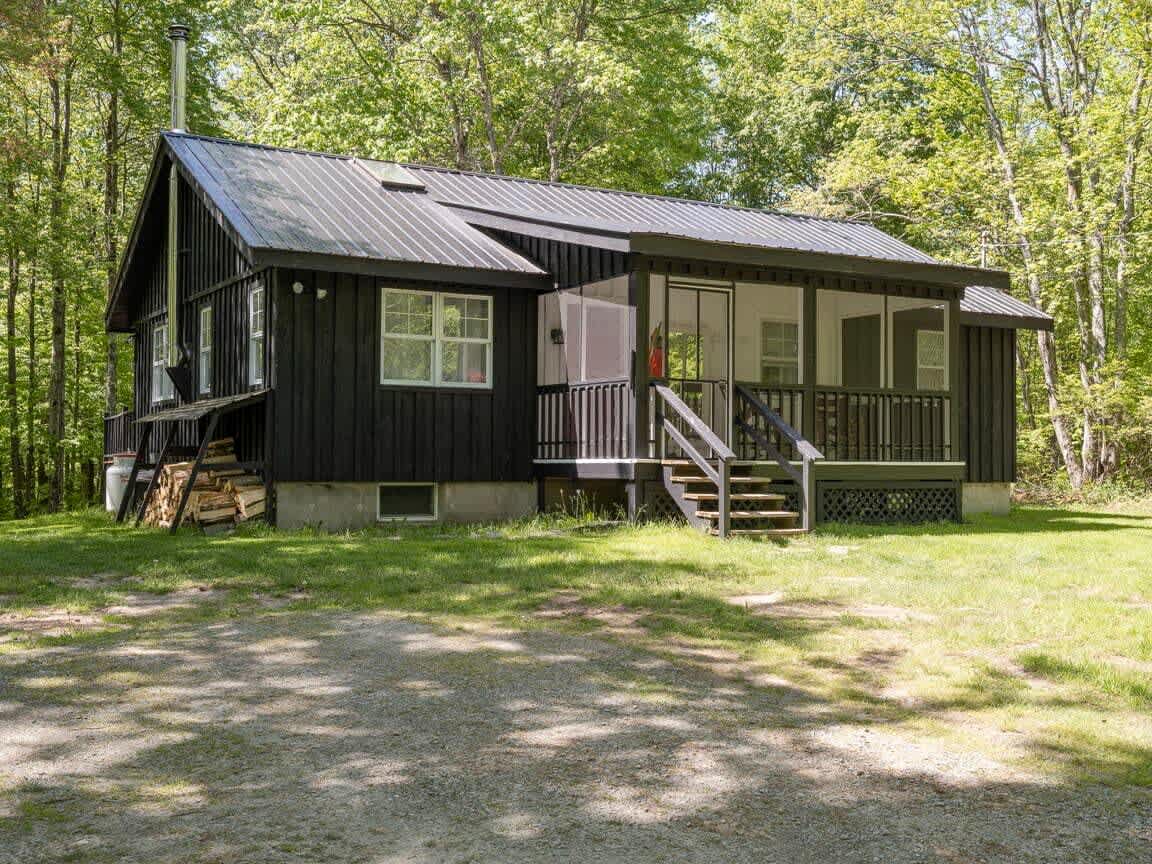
[116,482]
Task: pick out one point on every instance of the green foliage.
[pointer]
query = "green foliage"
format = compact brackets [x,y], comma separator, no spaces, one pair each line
[862,109]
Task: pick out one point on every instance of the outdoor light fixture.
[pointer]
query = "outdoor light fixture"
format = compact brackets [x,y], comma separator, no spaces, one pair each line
[297,287]
[321,293]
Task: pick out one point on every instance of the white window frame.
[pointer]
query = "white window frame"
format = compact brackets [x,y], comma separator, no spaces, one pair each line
[434,516]
[442,340]
[161,386]
[942,368]
[255,335]
[429,340]
[771,319]
[437,340]
[204,351]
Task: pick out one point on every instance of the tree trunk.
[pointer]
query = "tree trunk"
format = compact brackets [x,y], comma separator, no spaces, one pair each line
[112,203]
[30,477]
[60,89]
[1045,342]
[19,501]
[476,42]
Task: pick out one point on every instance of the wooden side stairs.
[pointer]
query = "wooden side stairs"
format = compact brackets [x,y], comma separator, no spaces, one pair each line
[753,510]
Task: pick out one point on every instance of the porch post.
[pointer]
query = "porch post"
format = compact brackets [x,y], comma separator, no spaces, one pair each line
[953,379]
[809,336]
[638,284]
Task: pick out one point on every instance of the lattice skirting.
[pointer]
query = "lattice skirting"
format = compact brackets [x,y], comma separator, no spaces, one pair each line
[887,503]
[658,504]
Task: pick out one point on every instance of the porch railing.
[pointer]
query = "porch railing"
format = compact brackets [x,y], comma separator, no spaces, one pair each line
[771,432]
[120,433]
[583,421]
[707,399]
[856,424]
[695,439]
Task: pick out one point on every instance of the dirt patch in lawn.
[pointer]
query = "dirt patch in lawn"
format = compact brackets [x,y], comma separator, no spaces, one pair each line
[47,622]
[777,604]
[340,737]
[50,621]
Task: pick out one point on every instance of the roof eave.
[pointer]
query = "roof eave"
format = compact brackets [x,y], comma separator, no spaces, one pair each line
[945,275]
[164,153]
[158,158]
[418,270]
[1007,322]
[543,228]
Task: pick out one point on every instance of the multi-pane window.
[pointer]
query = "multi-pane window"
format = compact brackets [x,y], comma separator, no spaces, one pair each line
[204,352]
[465,339]
[432,339]
[161,384]
[256,336]
[931,360]
[779,352]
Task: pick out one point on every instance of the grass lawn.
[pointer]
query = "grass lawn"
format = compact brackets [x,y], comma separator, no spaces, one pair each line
[1025,638]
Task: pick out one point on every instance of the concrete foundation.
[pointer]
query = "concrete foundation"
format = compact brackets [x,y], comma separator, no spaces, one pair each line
[993,498]
[348,506]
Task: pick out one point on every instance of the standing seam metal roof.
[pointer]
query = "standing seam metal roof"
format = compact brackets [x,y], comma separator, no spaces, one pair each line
[982,300]
[317,203]
[291,200]
[630,212]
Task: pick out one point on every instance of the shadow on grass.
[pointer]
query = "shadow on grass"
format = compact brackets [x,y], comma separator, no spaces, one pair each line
[1022,521]
[362,738]
[475,573]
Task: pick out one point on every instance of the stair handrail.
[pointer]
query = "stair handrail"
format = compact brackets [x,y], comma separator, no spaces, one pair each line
[805,477]
[719,475]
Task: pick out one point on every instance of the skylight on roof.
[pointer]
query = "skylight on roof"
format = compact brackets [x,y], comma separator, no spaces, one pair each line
[390,174]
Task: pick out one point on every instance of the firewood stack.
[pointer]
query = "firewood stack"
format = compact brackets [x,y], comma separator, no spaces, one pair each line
[223,492]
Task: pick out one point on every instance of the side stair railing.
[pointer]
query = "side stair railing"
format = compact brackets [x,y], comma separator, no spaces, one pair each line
[717,467]
[804,476]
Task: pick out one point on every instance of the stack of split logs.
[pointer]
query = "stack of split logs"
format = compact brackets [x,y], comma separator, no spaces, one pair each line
[223,492]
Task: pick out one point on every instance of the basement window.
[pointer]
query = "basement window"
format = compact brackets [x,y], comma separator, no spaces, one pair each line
[161,384]
[413,501]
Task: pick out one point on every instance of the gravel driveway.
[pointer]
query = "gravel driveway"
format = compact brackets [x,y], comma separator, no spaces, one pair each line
[323,737]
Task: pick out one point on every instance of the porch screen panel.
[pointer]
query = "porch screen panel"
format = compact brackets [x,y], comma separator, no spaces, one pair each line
[919,344]
[768,334]
[849,339]
[585,334]
[607,326]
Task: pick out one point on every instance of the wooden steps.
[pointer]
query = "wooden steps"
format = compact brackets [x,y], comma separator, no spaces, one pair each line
[752,512]
[736,496]
[760,532]
[748,514]
[734,480]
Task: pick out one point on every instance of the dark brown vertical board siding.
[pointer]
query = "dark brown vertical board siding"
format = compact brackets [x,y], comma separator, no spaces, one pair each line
[343,325]
[569,263]
[211,268]
[336,423]
[988,404]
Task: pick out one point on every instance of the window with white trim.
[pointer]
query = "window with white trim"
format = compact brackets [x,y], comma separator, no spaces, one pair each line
[256,336]
[204,351]
[432,339]
[931,360]
[162,388]
[779,352]
[414,501]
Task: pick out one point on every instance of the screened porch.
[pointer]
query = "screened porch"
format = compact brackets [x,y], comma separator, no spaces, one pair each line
[863,377]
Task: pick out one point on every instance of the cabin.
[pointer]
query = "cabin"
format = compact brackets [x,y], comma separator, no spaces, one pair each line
[387,341]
